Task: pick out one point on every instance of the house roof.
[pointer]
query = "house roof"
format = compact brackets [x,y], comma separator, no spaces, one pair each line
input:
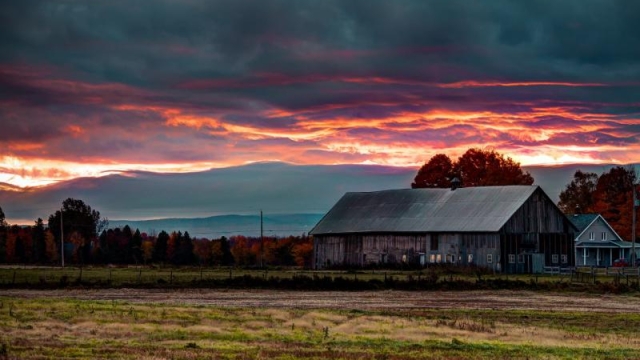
[474,209]
[584,221]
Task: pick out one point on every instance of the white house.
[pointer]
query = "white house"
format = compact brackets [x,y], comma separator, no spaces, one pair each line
[596,243]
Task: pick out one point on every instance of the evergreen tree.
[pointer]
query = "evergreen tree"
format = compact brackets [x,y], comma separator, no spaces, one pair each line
[184,254]
[135,247]
[160,250]
[39,242]
[225,249]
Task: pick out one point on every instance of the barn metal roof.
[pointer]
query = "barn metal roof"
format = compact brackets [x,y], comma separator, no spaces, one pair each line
[474,209]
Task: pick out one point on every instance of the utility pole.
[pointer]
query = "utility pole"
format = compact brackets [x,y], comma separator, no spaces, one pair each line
[61,239]
[261,242]
[633,228]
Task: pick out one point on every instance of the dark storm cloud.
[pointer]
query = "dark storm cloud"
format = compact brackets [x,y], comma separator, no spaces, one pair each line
[149,42]
[234,81]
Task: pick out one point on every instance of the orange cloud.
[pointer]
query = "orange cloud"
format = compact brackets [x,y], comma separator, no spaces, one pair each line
[473,83]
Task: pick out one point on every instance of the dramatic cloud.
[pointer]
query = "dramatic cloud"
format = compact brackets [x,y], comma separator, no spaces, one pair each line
[98,87]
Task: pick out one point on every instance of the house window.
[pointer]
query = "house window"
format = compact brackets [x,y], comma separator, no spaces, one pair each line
[604,236]
[438,258]
[521,258]
[489,258]
[512,258]
[563,258]
[434,242]
[470,258]
[554,258]
[432,258]
[592,236]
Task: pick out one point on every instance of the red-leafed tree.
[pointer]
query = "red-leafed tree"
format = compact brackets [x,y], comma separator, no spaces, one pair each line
[436,173]
[613,199]
[610,195]
[476,167]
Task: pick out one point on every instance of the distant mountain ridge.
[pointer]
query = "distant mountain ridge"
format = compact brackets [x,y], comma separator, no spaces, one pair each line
[275,188]
[214,227]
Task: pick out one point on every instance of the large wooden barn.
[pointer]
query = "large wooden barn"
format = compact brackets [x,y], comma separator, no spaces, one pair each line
[515,229]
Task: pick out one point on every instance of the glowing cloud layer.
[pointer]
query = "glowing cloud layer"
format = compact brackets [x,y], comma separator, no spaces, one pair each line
[93,88]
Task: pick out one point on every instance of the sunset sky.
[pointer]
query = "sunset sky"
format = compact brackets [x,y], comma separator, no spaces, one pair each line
[89,88]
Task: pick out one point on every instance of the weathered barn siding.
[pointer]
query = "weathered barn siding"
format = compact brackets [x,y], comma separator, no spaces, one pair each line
[537,215]
[481,249]
[363,250]
[537,227]
[507,228]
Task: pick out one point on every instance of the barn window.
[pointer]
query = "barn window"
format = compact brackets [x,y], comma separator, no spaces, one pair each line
[604,236]
[512,258]
[489,258]
[563,258]
[470,258]
[434,242]
[554,258]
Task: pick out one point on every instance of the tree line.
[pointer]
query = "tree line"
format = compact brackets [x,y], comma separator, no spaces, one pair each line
[88,240]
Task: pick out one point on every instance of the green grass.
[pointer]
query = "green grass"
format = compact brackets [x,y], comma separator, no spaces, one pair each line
[154,275]
[54,328]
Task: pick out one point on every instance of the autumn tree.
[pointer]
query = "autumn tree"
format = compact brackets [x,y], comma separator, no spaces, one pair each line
[147,250]
[3,237]
[303,252]
[77,218]
[241,251]
[221,252]
[476,167]
[577,197]
[10,252]
[202,250]
[51,247]
[610,195]
[172,246]
[436,173]
[613,199]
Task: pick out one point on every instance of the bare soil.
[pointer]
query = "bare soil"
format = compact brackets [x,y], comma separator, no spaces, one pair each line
[362,300]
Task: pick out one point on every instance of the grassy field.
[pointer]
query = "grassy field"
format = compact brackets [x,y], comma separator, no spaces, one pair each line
[118,276]
[434,278]
[36,326]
